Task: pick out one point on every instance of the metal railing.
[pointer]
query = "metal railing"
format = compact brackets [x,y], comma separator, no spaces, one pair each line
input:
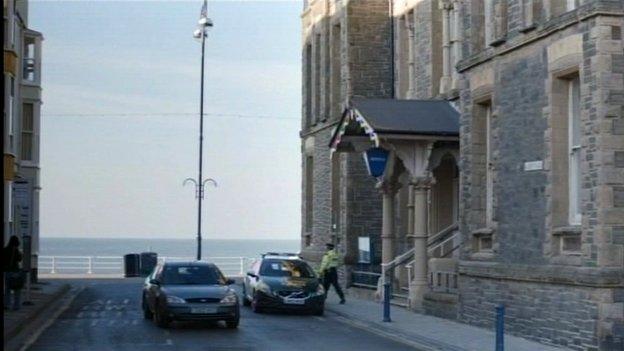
[365,279]
[443,281]
[440,244]
[114,265]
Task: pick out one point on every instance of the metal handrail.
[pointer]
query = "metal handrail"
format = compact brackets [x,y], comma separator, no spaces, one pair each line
[91,264]
[433,242]
[442,233]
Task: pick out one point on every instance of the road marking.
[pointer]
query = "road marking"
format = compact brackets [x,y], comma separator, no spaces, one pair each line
[320,318]
[109,301]
[169,342]
[126,301]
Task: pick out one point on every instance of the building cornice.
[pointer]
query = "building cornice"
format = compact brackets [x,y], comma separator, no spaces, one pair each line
[598,277]
[317,128]
[552,26]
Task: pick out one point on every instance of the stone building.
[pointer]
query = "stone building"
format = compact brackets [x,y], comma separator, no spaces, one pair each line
[503,127]
[541,214]
[22,105]
[340,202]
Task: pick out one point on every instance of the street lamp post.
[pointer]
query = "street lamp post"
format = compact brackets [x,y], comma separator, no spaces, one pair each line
[201,32]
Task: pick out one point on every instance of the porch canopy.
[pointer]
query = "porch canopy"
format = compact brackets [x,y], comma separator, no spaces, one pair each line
[368,120]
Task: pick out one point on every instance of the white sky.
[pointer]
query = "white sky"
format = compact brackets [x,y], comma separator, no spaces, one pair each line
[121,176]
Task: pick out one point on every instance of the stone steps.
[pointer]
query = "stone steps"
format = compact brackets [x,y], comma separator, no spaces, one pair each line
[399,299]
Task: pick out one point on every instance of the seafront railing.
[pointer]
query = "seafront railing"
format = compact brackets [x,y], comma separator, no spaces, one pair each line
[114,265]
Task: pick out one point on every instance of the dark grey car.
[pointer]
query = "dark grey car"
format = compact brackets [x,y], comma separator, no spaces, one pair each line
[189,291]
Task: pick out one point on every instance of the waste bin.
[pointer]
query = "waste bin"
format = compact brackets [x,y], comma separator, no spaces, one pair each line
[148,262]
[131,265]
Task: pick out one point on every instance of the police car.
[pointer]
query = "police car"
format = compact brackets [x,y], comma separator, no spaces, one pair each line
[283,281]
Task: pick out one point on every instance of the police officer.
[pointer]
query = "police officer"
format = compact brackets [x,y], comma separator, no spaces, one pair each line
[328,271]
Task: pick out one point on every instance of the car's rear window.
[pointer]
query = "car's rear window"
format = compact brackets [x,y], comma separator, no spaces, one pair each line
[286,268]
[192,275]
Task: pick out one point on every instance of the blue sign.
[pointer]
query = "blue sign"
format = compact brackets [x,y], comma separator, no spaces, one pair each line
[376,159]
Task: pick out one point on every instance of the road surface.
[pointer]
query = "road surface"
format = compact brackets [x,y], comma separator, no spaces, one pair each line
[106,315]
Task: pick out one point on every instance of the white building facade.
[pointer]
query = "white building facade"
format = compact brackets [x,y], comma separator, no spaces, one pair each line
[22,106]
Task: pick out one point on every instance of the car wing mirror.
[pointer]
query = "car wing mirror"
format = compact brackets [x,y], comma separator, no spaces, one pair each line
[230,281]
[154,282]
[251,274]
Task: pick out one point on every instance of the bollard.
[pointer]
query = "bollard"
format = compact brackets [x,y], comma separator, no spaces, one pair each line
[500,328]
[386,302]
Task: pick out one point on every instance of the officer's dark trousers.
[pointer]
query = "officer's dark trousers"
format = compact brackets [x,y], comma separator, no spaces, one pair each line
[330,277]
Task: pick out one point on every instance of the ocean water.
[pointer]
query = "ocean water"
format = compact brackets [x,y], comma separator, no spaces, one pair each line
[163,247]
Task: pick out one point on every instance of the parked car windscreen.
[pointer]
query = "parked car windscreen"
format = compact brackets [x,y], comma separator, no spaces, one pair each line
[192,275]
[286,268]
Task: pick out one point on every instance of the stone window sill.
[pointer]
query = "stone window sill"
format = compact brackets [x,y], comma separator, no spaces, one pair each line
[567,230]
[528,28]
[482,255]
[498,41]
[569,257]
[483,231]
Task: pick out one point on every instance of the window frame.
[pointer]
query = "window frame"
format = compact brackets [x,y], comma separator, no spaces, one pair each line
[30,132]
[361,258]
[317,86]
[11,113]
[574,151]
[489,168]
[488,23]
[308,85]
[571,5]
[309,193]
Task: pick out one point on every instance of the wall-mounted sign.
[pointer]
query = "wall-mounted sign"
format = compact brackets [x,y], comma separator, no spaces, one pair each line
[376,159]
[533,166]
[22,200]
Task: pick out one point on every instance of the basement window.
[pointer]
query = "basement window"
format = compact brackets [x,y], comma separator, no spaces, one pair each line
[485,243]
[570,244]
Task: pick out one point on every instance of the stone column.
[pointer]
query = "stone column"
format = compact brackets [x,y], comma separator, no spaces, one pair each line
[388,190]
[420,187]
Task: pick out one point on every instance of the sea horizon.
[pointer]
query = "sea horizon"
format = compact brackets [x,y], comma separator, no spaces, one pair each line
[172,247]
[160,238]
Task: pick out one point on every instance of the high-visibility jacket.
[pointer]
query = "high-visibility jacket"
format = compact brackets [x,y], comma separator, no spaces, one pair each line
[331,259]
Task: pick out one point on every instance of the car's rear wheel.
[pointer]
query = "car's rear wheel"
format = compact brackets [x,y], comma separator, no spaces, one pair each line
[246,301]
[147,314]
[319,311]
[232,324]
[255,304]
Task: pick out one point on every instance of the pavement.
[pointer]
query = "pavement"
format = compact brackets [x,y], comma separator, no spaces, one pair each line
[421,331]
[45,299]
[106,315]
